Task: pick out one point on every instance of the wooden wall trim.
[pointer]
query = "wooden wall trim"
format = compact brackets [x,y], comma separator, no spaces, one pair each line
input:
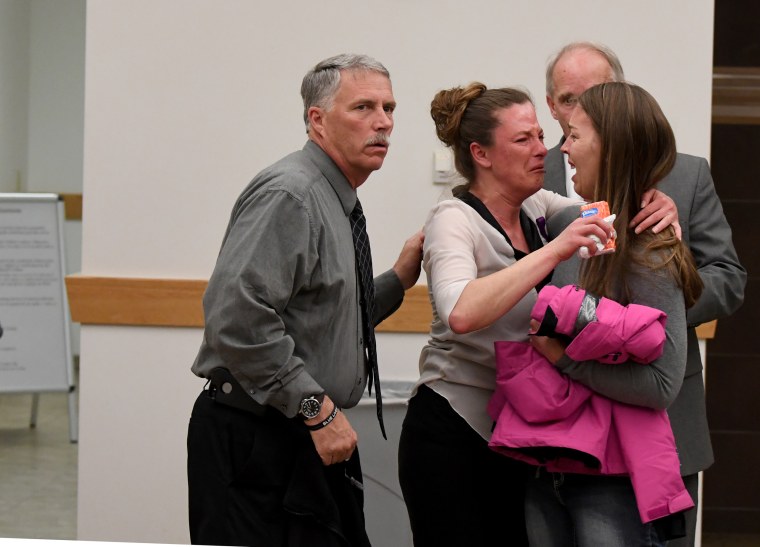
[72,204]
[177,303]
[736,95]
[135,301]
[414,315]
[706,331]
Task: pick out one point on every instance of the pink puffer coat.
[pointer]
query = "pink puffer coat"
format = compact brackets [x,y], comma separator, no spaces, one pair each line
[545,418]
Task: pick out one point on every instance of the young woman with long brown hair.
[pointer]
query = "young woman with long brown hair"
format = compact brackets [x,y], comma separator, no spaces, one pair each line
[621,146]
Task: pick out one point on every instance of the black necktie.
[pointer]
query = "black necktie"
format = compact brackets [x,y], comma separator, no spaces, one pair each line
[367,285]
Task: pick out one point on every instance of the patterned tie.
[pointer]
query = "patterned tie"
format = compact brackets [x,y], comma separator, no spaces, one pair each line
[367,284]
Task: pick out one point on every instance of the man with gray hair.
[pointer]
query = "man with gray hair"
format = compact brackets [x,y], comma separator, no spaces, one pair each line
[288,342]
[568,74]
[704,228]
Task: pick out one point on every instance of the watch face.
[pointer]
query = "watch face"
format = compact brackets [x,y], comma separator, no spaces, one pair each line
[310,408]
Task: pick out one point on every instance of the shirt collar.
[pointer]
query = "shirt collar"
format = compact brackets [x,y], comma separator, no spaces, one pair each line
[343,189]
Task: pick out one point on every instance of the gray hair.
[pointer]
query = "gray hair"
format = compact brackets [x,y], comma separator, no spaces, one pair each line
[321,83]
[604,51]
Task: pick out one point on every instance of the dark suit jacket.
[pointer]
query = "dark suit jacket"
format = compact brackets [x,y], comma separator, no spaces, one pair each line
[708,235]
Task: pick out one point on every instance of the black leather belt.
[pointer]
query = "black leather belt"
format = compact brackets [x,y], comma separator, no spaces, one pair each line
[224,389]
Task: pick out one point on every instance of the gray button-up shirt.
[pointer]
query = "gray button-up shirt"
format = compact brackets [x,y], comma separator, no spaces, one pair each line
[282,305]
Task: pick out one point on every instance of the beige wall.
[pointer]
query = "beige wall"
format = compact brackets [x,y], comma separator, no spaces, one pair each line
[14,92]
[187,99]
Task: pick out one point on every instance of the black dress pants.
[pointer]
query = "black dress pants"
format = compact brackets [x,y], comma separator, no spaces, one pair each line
[258,481]
[458,492]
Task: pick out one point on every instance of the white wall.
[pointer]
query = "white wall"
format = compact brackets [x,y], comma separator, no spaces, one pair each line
[56,113]
[14,91]
[187,99]
[56,96]
[42,106]
[41,95]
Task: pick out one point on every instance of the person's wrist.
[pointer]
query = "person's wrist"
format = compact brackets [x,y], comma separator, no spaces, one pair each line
[326,421]
[324,412]
[311,406]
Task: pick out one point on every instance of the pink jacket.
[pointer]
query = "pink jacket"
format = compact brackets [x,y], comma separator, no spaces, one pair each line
[545,418]
[601,329]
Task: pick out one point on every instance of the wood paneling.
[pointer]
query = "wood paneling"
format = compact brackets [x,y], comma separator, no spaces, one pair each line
[177,303]
[728,399]
[732,483]
[730,502]
[736,42]
[72,204]
[133,301]
[736,95]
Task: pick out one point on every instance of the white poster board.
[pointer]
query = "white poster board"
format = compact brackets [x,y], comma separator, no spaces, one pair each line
[35,346]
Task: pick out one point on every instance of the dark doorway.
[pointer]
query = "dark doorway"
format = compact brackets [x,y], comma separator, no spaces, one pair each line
[731,501]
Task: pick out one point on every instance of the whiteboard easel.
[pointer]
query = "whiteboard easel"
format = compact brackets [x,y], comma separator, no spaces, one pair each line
[35,346]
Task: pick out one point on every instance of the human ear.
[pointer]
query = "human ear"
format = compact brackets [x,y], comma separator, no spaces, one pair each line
[552,108]
[316,120]
[479,155]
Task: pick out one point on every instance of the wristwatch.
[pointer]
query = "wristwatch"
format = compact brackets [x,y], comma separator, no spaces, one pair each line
[311,406]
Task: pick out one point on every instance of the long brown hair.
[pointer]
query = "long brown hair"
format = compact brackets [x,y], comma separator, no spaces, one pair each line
[638,149]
